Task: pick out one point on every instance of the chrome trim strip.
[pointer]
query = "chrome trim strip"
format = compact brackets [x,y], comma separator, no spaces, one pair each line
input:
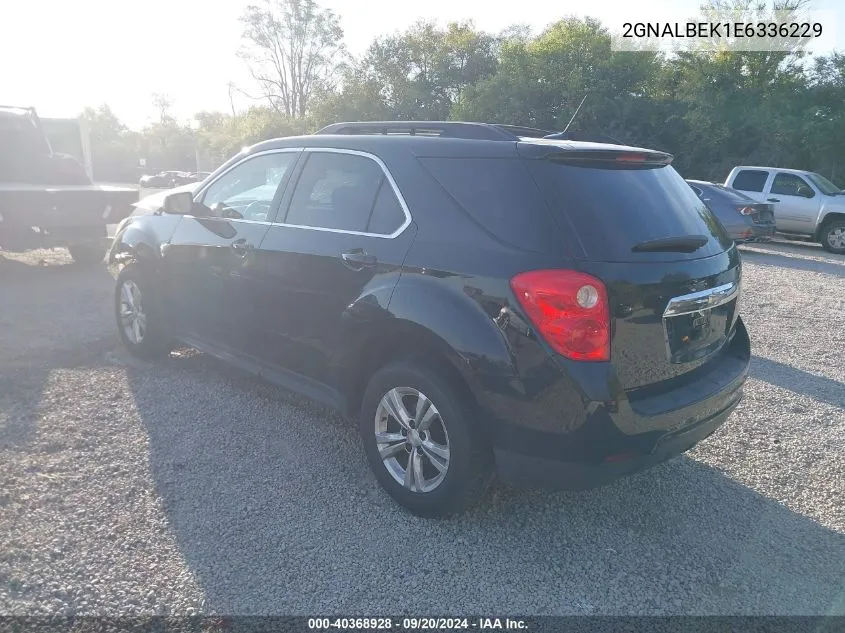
[702,300]
[332,150]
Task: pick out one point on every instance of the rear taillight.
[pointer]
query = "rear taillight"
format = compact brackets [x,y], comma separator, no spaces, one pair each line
[746,210]
[569,309]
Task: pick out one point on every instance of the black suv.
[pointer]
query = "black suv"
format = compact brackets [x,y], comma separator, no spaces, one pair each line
[481,300]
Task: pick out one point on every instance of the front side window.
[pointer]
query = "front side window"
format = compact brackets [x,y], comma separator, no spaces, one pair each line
[247,190]
[792,185]
[344,192]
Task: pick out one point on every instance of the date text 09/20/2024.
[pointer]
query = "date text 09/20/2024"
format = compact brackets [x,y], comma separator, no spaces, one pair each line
[416,624]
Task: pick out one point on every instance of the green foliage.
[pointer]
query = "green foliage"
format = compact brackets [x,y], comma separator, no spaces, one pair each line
[713,109]
[541,81]
[114,148]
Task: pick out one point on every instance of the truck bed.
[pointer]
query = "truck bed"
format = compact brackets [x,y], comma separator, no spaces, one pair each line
[54,206]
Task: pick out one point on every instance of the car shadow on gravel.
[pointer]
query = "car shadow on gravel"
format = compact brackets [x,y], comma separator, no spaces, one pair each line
[35,338]
[799,381]
[276,512]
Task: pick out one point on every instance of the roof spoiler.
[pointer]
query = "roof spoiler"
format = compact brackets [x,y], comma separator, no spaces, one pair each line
[619,156]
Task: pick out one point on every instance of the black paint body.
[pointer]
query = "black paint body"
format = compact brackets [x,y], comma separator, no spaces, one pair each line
[290,309]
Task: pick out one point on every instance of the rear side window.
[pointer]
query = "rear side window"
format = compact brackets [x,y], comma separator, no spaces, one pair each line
[498,193]
[750,180]
[344,192]
[613,209]
[387,215]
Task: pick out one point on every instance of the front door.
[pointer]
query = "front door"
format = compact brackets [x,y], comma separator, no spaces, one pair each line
[211,257]
[331,261]
[796,203]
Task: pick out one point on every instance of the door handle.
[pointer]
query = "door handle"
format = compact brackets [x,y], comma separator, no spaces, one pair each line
[773,199]
[241,246]
[358,259]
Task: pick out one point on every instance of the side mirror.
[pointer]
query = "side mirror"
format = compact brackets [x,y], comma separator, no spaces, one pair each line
[181,203]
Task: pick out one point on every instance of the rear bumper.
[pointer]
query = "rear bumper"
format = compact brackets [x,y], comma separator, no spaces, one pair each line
[615,433]
[525,470]
[755,233]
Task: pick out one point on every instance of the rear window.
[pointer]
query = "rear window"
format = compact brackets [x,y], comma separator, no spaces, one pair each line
[750,180]
[498,193]
[613,209]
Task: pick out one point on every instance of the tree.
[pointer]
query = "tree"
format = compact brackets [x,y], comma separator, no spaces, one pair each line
[419,74]
[823,129]
[540,81]
[293,49]
[162,103]
[713,108]
[735,106]
[114,148]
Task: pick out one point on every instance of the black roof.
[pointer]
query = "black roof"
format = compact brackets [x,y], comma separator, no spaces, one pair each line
[444,138]
[440,129]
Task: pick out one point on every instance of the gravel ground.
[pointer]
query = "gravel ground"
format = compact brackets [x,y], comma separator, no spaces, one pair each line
[185,487]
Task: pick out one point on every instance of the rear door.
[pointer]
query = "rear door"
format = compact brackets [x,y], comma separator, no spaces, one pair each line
[671,272]
[342,234]
[796,203]
[211,257]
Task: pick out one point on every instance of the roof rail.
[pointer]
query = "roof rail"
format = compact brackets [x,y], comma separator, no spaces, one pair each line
[443,129]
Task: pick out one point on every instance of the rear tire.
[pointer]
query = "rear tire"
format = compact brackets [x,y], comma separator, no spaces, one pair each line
[832,237]
[449,460]
[140,318]
[86,254]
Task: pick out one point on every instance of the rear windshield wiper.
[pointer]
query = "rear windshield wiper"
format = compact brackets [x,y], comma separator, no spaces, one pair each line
[681,244]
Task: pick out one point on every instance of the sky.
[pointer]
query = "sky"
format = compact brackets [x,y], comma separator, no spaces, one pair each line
[61,56]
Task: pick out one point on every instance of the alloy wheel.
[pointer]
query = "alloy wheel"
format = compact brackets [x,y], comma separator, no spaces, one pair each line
[132,316]
[836,238]
[412,439]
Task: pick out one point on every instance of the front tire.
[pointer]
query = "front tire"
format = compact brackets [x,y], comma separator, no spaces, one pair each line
[422,442]
[833,237]
[139,314]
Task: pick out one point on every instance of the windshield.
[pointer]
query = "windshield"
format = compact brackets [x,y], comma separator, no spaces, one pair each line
[824,185]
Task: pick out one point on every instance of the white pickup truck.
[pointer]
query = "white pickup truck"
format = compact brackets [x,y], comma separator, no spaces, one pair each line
[805,203]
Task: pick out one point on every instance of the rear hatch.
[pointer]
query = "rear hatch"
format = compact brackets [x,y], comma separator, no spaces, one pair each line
[671,273]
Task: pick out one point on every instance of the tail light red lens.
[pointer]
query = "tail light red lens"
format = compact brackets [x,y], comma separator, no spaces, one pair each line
[745,210]
[569,309]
